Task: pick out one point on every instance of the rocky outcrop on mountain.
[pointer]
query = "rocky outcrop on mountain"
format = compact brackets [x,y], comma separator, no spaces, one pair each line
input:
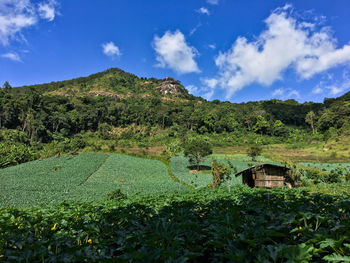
[171,86]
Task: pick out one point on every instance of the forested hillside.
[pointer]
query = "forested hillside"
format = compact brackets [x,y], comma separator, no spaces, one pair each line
[119,105]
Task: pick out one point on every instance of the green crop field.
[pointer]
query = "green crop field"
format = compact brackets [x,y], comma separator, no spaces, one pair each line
[180,166]
[344,167]
[132,175]
[85,177]
[206,225]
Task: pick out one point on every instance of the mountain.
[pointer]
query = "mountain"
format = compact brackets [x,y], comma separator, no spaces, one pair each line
[113,83]
[120,99]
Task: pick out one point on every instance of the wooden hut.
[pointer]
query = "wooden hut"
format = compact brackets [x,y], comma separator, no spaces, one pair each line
[265,175]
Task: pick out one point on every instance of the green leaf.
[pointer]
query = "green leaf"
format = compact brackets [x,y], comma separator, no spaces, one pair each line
[336,258]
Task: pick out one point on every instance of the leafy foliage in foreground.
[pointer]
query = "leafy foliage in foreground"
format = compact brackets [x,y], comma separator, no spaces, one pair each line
[202,226]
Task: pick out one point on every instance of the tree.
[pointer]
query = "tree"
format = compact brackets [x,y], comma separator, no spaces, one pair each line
[7,85]
[221,173]
[262,125]
[310,119]
[254,150]
[279,129]
[195,149]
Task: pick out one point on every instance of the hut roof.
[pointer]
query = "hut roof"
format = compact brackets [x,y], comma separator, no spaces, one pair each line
[260,166]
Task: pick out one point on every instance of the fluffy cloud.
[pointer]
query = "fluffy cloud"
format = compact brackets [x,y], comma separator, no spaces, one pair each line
[213,2]
[111,50]
[286,43]
[173,52]
[203,10]
[12,56]
[48,10]
[210,90]
[16,15]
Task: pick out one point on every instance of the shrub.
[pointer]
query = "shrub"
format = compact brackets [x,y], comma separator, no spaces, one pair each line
[220,172]
[335,176]
[15,154]
[14,136]
[104,131]
[254,151]
[116,195]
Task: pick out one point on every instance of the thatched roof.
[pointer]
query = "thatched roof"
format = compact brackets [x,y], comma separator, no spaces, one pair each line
[261,166]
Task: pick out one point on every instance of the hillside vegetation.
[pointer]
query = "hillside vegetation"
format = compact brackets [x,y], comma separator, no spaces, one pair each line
[114,109]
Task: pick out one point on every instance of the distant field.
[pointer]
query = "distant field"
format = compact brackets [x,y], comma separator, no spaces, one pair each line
[345,167]
[181,168]
[85,177]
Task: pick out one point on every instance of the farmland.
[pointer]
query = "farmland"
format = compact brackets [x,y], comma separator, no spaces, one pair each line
[181,168]
[206,225]
[344,167]
[84,177]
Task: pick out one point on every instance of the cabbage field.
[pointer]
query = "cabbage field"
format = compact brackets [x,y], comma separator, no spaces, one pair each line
[83,177]
[342,167]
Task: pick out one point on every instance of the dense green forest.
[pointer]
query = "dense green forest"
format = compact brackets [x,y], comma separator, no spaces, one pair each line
[111,102]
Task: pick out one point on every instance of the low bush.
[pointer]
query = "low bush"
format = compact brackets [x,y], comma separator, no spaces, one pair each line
[12,154]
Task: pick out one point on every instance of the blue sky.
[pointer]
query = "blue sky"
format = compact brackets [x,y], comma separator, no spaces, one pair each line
[236,50]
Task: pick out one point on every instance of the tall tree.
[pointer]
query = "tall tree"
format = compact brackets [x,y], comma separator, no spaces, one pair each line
[7,85]
[195,149]
[310,119]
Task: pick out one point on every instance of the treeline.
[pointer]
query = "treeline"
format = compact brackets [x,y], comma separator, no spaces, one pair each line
[44,117]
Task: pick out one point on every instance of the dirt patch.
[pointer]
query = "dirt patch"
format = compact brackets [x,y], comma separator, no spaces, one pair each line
[153,151]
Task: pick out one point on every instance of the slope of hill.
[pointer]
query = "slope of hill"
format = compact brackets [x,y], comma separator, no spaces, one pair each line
[123,107]
[114,83]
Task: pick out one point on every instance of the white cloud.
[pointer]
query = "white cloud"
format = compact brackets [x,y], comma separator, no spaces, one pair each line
[212,46]
[209,88]
[203,10]
[111,50]
[334,87]
[340,88]
[173,52]
[285,94]
[286,43]
[12,56]
[48,10]
[317,90]
[194,30]
[16,15]
[213,2]
[277,92]
[192,89]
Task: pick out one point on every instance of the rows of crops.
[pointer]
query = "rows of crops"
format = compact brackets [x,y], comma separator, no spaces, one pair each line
[246,225]
[132,175]
[84,177]
[180,166]
[46,181]
[345,167]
